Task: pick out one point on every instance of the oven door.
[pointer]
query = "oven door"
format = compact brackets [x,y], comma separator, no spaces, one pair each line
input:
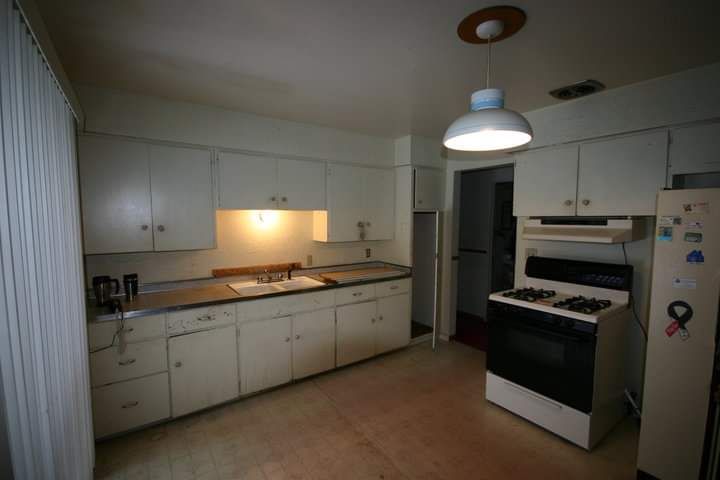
[543,353]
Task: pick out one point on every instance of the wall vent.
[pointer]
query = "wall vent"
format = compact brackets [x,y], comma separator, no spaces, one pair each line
[577,90]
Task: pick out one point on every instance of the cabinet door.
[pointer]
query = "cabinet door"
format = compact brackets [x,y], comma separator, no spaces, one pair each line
[265,353]
[622,176]
[313,342]
[344,203]
[182,199]
[393,323]
[546,182]
[203,369]
[247,182]
[695,149]
[115,192]
[379,203]
[355,332]
[301,185]
[428,189]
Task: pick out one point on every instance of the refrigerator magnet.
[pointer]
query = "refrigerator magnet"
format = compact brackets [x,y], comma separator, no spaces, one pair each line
[669,221]
[665,234]
[697,207]
[695,225]
[693,237]
[686,283]
[695,257]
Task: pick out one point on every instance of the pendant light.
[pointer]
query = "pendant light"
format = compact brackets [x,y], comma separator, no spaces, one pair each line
[488,126]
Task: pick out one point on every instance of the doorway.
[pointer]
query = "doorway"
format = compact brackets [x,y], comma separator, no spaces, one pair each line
[425,252]
[486,248]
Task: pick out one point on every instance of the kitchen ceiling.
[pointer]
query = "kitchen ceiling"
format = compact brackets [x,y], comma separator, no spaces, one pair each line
[389,67]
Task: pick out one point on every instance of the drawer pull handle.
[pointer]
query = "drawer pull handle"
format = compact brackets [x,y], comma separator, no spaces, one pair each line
[357,294]
[129,361]
[394,287]
[206,318]
[131,404]
[128,330]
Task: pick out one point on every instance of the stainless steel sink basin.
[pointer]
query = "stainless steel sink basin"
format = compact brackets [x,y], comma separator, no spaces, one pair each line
[252,288]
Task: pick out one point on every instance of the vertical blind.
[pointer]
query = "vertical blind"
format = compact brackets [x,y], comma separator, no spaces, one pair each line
[43,353]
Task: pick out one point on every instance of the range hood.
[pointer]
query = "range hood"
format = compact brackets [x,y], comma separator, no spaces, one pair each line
[582,229]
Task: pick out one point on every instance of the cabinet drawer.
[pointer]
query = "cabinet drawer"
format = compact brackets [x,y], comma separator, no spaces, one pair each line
[354,294]
[131,404]
[395,287]
[285,305]
[200,318]
[138,359]
[100,334]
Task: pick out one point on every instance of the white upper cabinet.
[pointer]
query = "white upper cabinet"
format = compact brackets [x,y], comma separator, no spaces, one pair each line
[360,205]
[115,185]
[140,197]
[252,182]
[379,203]
[301,185]
[203,369]
[695,149]
[182,198]
[546,182]
[622,176]
[247,182]
[619,176]
[428,188]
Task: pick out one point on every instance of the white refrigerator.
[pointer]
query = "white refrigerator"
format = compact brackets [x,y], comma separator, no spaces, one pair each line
[678,434]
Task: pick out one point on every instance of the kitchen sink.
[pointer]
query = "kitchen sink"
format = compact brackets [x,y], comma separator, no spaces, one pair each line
[252,288]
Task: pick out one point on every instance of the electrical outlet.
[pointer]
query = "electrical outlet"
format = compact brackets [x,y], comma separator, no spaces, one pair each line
[308,263]
[530,252]
[368,253]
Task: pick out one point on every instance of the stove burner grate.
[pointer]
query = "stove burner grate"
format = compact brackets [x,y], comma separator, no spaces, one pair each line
[529,294]
[583,304]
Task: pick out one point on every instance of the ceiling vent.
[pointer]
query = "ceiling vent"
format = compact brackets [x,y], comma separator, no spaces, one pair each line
[577,90]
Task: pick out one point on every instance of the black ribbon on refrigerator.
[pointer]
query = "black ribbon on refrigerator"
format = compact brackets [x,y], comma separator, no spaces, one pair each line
[683,318]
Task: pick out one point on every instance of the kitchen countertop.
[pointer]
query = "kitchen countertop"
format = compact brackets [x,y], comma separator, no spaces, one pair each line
[216,293]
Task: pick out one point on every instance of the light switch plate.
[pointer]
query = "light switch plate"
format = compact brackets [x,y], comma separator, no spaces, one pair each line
[309,261]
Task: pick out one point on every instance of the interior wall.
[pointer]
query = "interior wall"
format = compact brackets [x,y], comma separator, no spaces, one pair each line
[242,239]
[477,198]
[6,471]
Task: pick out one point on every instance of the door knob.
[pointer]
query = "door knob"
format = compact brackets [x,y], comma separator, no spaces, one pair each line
[586,202]
[161,228]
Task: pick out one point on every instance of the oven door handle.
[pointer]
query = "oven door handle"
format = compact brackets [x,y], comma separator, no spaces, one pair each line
[549,333]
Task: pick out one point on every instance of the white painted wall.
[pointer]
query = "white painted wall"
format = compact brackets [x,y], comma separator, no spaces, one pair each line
[239,241]
[420,151]
[673,100]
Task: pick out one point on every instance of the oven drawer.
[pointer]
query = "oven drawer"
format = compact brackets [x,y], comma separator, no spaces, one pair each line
[127,405]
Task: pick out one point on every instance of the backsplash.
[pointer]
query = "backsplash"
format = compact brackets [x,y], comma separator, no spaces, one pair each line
[244,237]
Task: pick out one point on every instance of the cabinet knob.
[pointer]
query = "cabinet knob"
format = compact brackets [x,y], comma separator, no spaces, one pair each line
[129,361]
[144,227]
[178,364]
[161,228]
[372,320]
[367,224]
[420,202]
[380,318]
[567,203]
[283,199]
[360,224]
[273,199]
[297,337]
[287,339]
[586,202]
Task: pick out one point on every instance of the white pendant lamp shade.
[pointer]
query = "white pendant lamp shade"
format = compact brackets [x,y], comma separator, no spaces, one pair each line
[488,126]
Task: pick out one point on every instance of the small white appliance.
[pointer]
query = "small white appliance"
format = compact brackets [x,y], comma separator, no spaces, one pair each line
[556,347]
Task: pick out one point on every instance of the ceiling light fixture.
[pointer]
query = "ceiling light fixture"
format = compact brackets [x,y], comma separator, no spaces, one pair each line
[488,126]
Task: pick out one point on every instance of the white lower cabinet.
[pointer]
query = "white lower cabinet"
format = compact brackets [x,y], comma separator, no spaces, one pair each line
[203,369]
[265,353]
[135,360]
[313,349]
[355,332]
[127,405]
[392,328]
